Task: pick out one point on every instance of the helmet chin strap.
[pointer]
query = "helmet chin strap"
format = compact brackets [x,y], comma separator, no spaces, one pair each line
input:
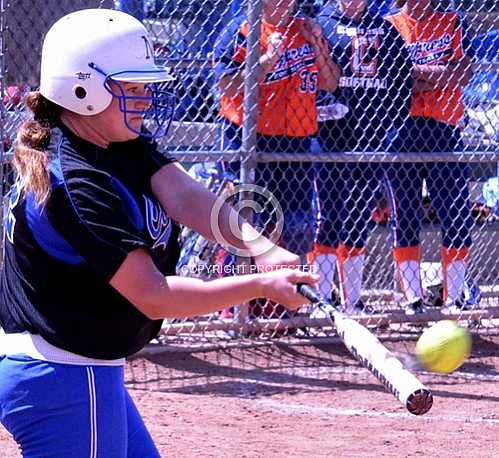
[157,117]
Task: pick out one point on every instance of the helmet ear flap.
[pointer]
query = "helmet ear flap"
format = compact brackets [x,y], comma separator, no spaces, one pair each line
[87,98]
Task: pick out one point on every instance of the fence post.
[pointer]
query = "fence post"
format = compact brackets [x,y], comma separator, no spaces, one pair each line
[250,107]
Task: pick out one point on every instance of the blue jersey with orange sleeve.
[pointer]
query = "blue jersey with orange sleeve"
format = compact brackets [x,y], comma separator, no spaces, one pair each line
[287,95]
[437,39]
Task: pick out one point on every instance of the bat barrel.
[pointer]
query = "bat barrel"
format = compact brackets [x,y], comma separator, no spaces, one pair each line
[384,365]
[374,356]
[419,402]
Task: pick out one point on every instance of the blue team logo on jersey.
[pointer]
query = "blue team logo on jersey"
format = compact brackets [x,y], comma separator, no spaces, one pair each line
[158,224]
[10,219]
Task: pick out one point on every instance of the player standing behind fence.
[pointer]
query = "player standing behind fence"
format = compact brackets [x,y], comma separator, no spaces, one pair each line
[92,246]
[372,99]
[294,63]
[437,45]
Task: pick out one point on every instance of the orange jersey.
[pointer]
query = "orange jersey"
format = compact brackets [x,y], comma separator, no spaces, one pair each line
[286,100]
[434,40]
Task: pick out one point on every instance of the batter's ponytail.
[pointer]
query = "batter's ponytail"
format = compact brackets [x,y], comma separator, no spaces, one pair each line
[30,157]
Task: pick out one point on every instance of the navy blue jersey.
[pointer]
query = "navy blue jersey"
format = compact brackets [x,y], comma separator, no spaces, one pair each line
[374,91]
[60,256]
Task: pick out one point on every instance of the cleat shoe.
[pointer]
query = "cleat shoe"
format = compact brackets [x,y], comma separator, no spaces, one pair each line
[432,295]
[360,309]
[457,307]
[336,300]
[471,294]
[415,308]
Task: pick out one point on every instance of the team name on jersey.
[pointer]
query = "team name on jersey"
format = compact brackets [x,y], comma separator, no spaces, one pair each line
[291,62]
[430,51]
[158,224]
[291,55]
[364,83]
[354,31]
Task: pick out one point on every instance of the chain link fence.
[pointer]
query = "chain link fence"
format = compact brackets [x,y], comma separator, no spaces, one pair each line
[377,137]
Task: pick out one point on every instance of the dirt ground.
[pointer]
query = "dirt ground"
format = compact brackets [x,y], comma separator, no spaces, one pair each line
[284,400]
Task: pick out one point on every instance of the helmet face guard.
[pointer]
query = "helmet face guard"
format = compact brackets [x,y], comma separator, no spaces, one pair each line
[160,101]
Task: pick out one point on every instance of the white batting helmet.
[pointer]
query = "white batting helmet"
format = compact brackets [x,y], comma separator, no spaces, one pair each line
[85,49]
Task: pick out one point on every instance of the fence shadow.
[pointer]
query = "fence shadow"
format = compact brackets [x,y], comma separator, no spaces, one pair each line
[280,368]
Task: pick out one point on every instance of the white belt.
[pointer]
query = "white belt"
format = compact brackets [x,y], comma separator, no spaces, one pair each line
[37,347]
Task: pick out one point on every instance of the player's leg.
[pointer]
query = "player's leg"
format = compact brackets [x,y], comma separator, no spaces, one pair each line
[140,443]
[322,261]
[291,184]
[403,185]
[296,197]
[59,410]
[229,138]
[448,187]
[362,186]
[403,189]
[331,192]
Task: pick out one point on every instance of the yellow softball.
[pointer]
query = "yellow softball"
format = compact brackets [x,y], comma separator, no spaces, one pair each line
[443,347]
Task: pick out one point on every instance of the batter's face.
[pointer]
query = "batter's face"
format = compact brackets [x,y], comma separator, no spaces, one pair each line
[112,119]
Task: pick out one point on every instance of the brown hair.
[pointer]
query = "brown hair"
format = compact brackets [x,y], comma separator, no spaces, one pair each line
[30,157]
